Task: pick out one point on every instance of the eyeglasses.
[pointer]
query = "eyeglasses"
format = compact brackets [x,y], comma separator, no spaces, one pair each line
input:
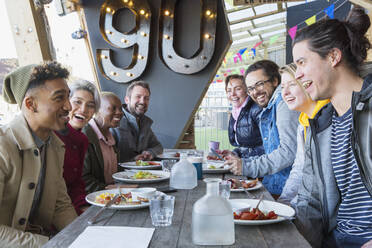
[257,86]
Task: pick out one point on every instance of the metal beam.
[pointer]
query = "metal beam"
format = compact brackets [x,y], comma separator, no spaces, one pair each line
[281,20]
[30,31]
[257,16]
[367,4]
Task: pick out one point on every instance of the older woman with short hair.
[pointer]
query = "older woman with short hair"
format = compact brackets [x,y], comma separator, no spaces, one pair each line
[85,101]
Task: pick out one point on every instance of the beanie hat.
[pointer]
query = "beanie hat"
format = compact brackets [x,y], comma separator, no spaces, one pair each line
[16,84]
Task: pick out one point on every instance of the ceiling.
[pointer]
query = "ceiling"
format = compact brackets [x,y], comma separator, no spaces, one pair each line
[250,25]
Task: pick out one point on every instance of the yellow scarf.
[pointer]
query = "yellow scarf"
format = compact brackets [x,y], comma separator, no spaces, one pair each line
[304,118]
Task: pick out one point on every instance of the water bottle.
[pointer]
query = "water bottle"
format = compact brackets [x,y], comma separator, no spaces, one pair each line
[212,218]
[183,174]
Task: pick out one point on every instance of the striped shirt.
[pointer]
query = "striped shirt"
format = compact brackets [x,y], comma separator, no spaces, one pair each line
[355,211]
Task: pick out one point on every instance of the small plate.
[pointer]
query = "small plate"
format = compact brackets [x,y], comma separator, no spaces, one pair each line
[124,176]
[168,155]
[265,206]
[133,165]
[220,168]
[92,197]
[258,186]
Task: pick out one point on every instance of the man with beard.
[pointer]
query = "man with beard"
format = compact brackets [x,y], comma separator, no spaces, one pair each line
[278,127]
[134,137]
[33,195]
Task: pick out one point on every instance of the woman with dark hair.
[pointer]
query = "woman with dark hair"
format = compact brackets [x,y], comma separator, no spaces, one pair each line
[334,201]
[85,101]
[244,132]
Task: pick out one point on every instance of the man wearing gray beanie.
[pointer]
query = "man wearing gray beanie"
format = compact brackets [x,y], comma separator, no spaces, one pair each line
[33,195]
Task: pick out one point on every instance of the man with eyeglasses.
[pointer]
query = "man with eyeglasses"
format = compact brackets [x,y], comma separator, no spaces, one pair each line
[278,127]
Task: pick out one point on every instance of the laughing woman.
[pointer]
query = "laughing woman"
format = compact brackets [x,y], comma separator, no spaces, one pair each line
[244,132]
[101,160]
[297,99]
[85,100]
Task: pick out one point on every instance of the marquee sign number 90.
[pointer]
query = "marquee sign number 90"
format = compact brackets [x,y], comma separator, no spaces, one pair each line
[139,39]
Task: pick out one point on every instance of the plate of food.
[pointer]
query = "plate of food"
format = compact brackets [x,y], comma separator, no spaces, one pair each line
[215,167]
[128,199]
[268,212]
[139,176]
[238,185]
[144,165]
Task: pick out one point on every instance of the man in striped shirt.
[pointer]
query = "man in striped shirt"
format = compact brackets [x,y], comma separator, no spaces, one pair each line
[334,207]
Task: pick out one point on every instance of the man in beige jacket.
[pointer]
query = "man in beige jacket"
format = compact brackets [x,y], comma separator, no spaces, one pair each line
[33,196]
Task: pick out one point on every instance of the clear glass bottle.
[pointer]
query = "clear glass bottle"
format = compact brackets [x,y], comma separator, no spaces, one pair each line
[212,218]
[183,174]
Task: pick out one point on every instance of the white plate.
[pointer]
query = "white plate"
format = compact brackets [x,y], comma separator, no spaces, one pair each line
[258,186]
[121,176]
[220,168]
[265,206]
[132,165]
[168,155]
[92,197]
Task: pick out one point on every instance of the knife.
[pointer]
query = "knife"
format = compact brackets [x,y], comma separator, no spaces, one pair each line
[92,220]
[218,155]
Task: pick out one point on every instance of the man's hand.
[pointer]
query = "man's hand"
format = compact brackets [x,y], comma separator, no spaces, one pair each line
[235,164]
[367,245]
[145,156]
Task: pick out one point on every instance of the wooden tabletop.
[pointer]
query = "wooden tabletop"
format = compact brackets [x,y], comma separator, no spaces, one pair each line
[282,234]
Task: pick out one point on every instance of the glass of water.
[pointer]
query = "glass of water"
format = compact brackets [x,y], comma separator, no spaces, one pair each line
[161,209]
[167,164]
[225,187]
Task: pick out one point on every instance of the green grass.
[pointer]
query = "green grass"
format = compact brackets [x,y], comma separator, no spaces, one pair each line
[204,135]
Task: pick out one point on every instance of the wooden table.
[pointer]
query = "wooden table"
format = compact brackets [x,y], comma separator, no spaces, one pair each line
[282,234]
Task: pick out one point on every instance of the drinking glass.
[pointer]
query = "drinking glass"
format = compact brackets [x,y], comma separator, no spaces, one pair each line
[161,209]
[167,164]
[225,187]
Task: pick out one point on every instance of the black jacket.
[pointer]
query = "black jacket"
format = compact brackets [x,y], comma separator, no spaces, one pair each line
[249,142]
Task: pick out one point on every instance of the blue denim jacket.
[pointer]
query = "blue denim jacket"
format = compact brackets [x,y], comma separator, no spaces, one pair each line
[278,126]
[273,183]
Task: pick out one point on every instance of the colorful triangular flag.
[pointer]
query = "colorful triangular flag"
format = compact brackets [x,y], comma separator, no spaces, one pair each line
[242,71]
[257,44]
[254,51]
[311,20]
[292,32]
[239,56]
[241,51]
[235,60]
[330,11]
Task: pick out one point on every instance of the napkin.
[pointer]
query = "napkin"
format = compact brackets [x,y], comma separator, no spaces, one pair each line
[114,237]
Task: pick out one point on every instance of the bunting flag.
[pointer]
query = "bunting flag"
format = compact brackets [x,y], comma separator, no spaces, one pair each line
[235,60]
[330,11]
[239,56]
[242,71]
[273,39]
[225,74]
[241,51]
[254,51]
[292,32]
[214,82]
[219,80]
[257,44]
[217,75]
[224,60]
[311,20]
